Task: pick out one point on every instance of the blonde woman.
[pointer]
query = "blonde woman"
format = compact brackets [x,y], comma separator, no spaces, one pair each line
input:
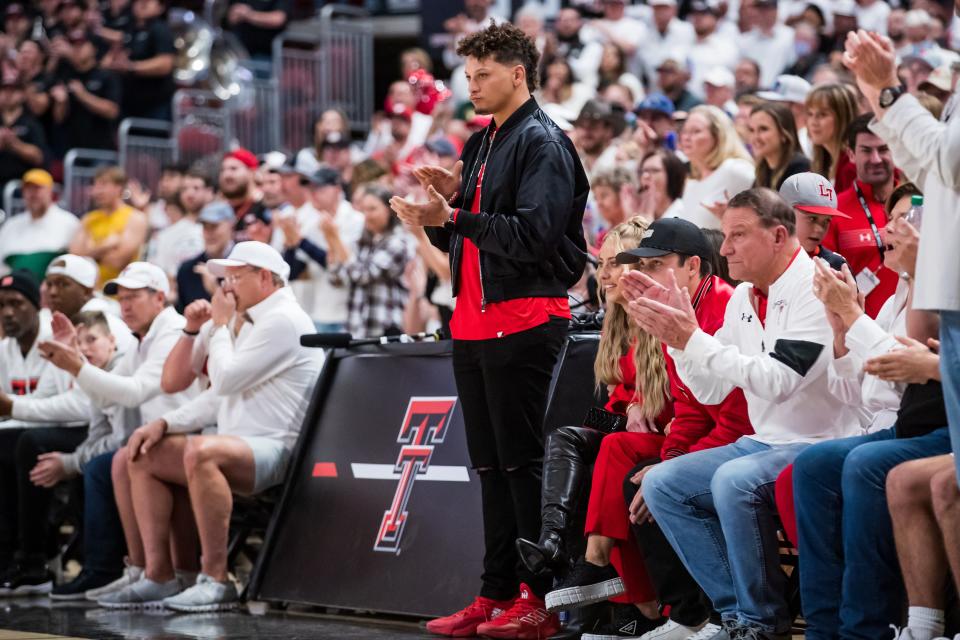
[830,110]
[720,166]
[631,365]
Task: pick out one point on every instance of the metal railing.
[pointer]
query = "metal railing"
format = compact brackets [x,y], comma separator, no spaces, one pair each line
[79,167]
[145,147]
[201,126]
[12,199]
[255,116]
[324,64]
[317,65]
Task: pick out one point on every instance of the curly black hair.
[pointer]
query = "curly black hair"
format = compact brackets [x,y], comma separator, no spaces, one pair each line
[507,45]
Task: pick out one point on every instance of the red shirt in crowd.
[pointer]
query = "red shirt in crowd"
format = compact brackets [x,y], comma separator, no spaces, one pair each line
[475,320]
[854,239]
[626,393]
[846,173]
[697,426]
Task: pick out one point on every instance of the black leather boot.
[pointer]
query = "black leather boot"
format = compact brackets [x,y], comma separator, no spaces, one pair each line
[569,452]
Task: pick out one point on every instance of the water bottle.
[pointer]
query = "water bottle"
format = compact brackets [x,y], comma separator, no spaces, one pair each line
[914,214]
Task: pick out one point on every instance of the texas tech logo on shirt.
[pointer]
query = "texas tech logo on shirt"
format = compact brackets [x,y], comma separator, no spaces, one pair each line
[23,387]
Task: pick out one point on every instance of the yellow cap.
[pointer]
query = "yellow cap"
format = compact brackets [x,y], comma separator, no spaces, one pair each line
[38,177]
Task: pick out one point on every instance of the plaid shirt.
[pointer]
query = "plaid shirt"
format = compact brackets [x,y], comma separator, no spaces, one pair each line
[374,273]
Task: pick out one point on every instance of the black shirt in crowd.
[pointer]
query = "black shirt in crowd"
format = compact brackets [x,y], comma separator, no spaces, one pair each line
[190,283]
[82,128]
[143,94]
[257,40]
[28,129]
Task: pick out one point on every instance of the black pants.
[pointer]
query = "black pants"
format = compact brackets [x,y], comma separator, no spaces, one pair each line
[23,505]
[503,386]
[675,587]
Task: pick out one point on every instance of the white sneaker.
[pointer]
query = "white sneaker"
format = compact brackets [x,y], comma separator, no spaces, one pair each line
[187,578]
[130,575]
[207,595]
[671,630]
[142,594]
[710,631]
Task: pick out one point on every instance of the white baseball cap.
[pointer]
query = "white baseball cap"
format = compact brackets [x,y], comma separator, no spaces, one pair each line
[787,88]
[719,77]
[81,270]
[254,254]
[139,275]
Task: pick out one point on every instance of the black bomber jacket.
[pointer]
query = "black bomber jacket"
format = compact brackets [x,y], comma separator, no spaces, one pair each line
[529,230]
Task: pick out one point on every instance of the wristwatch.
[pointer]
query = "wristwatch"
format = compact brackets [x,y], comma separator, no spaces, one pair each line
[890,95]
[451,224]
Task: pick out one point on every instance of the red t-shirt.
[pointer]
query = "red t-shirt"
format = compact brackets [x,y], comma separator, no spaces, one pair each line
[853,238]
[475,320]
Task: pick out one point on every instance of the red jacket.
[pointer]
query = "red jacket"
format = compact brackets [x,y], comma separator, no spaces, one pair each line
[626,392]
[853,239]
[698,426]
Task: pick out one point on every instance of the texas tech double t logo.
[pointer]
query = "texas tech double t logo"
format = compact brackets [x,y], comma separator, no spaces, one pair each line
[424,426]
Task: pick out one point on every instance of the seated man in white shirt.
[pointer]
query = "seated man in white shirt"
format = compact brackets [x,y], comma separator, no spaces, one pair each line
[717,507]
[134,382]
[260,384]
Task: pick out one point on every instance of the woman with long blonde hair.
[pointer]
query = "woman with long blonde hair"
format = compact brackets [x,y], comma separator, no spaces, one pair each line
[631,365]
[720,165]
[830,110]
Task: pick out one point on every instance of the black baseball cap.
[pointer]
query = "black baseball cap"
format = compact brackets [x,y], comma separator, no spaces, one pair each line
[669,235]
[324,176]
[22,282]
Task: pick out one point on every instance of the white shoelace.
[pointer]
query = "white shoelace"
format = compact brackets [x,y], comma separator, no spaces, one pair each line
[707,632]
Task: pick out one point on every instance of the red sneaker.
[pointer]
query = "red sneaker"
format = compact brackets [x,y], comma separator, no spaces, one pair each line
[464,623]
[527,619]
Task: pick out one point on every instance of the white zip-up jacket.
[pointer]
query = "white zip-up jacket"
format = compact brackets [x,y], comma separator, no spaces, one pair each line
[781,365]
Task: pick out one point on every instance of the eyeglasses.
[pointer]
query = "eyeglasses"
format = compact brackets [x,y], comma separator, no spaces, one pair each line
[233,278]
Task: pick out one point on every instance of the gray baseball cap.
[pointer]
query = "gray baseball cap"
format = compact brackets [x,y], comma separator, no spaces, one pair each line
[217,211]
[811,193]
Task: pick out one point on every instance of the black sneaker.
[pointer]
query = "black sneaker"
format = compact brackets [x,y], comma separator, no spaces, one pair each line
[586,584]
[23,580]
[77,588]
[627,622]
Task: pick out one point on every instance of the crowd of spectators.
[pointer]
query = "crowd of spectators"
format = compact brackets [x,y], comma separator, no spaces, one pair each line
[750,133]
[72,70]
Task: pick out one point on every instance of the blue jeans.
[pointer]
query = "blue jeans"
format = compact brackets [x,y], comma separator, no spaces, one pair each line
[950,375]
[717,509]
[850,582]
[103,542]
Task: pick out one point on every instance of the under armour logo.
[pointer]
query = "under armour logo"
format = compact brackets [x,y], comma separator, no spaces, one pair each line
[746,317]
[865,237]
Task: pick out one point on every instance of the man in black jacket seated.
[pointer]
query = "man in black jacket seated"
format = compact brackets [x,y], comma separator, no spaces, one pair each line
[509,215]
